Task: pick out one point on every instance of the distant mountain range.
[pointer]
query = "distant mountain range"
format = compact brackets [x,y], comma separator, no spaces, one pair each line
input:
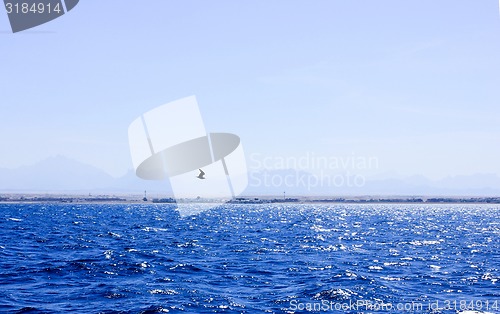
[275,182]
[61,174]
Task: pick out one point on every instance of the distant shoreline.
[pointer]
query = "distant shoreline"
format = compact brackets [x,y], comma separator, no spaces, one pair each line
[134,199]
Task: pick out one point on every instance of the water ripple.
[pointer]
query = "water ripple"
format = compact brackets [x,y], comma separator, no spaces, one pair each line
[245,258]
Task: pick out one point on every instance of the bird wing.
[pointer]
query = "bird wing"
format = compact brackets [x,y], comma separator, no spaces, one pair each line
[201,172]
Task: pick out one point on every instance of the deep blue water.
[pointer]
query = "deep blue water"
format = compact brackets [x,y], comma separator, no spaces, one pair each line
[249,258]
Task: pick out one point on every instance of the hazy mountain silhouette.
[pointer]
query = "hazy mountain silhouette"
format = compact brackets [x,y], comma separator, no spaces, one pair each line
[273,182]
[62,174]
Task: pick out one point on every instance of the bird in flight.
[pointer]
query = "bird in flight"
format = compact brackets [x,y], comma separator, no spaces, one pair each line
[201,175]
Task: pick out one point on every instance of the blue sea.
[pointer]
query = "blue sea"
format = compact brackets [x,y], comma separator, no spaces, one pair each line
[146,258]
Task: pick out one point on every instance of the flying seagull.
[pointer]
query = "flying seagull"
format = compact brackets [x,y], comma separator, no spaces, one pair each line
[201,175]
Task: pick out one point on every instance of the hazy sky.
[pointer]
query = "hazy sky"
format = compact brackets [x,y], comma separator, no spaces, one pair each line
[414,83]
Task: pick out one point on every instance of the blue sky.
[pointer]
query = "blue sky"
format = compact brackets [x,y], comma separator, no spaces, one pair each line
[414,83]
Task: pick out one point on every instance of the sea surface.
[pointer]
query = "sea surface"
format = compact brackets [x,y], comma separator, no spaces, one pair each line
[101,258]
